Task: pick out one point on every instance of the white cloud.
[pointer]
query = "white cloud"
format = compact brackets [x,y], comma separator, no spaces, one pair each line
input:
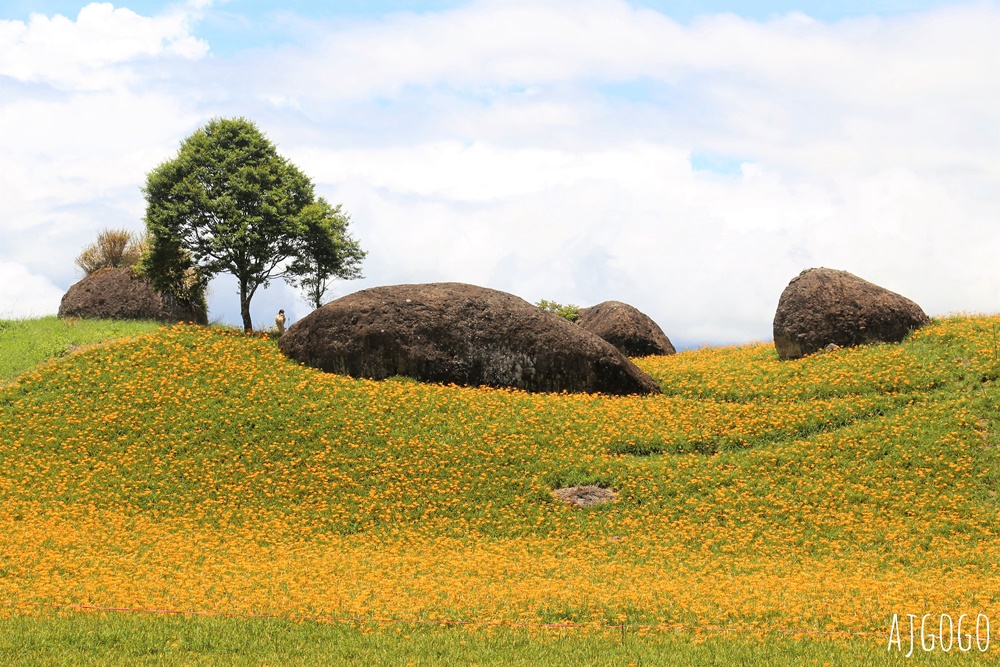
[482,172]
[494,43]
[72,148]
[86,54]
[486,43]
[26,294]
[868,145]
[74,165]
[74,151]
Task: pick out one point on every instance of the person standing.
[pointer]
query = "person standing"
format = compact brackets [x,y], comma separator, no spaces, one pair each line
[279,321]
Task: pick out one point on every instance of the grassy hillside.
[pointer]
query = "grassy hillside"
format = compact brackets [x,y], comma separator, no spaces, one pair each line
[802,502]
[26,343]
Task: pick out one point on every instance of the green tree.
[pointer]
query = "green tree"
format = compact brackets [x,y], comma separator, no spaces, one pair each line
[231,202]
[174,274]
[326,251]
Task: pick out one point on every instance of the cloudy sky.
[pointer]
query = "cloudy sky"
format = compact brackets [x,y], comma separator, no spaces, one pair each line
[689,158]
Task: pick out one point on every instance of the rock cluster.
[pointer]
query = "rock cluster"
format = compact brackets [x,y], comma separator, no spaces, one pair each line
[461,334]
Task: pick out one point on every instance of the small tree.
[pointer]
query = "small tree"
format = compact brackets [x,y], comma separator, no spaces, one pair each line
[114,248]
[569,311]
[233,203]
[327,252]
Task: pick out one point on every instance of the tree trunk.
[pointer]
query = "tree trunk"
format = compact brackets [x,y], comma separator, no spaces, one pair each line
[316,297]
[245,308]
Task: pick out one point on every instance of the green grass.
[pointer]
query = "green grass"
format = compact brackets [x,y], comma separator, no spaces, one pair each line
[192,468]
[122,639]
[26,343]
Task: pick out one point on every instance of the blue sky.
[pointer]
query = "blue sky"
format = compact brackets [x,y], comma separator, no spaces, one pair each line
[572,150]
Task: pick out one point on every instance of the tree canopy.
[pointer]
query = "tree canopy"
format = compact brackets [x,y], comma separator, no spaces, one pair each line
[326,251]
[230,204]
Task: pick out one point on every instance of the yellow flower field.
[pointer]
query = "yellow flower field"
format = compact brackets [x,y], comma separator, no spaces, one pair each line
[197,469]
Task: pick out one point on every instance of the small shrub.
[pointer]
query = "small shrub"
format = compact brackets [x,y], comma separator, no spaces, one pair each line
[114,248]
[569,311]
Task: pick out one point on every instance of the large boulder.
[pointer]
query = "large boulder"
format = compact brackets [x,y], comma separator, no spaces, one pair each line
[122,294]
[825,306]
[625,327]
[462,334]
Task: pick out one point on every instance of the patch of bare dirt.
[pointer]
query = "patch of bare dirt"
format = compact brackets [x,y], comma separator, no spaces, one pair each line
[585,496]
